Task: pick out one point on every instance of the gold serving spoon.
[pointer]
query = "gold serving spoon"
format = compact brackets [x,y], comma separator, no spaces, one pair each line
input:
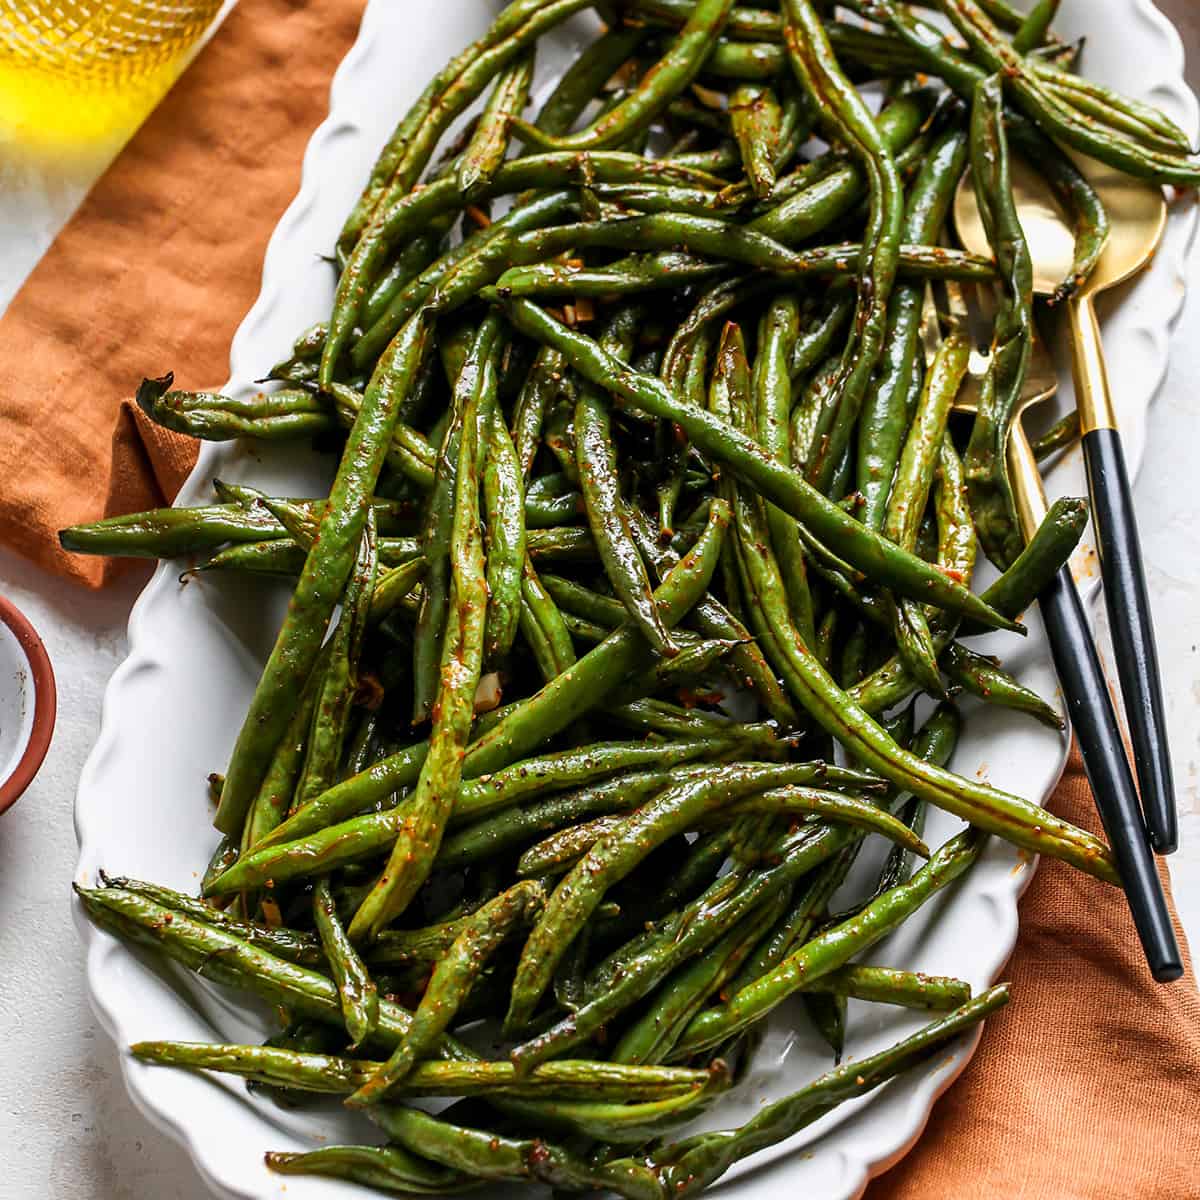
[1137,216]
[1089,702]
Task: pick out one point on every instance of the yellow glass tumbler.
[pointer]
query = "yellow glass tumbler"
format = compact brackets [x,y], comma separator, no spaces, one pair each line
[74,70]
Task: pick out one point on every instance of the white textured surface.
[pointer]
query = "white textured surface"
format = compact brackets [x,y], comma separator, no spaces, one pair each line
[66,1128]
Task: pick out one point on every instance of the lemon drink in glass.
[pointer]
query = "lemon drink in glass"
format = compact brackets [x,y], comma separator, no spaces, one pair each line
[90,70]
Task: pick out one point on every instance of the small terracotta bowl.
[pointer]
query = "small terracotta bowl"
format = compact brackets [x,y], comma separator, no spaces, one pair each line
[28,703]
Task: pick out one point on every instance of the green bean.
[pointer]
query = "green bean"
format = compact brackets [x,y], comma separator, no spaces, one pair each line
[543,627]
[584,78]
[693,666]
[689,1166]
[325,571]
[391,516]
[409,947]
[652,1036]
[604,610]
[489,794]
[827,1012]
[377,292]
[339,680]
[394,589]
[671,269]
[535,720]
[543,384]
[356,989]
[665,80]
[757,120]
[1059,436]
[606,512]
[833,948]
[491,1156]
[910,492]
[562,543]
[847,117]
[1058,118]
[1051,546]
[453,976]
[626,1124]
[572,902]
[814,342]
[1012,593]
[170,532]
[609,521]
[289,415]
[986,461]
[410,454]
[225,853]
[955,529]
[277,792]
[1144,123]
[285,557]
[477,798]
[745,659]
[810,899]
[505,524]
[699,925]
[773,394]
[548,663]
[221,956]
[429,633]
[464,78]
[691,335]
[853,660]
[849,810]
[934,742]
[1008,816]
[480,161]
[558,436]
[567,697]
[516,825]
[1078,198]
[564,1079]
[420,834]
[413,212]
[583,630]
[892,396]
[985,678]
[388,1168]
[454,277]
[561,851]
[290,944]
[904,573]
[855,45]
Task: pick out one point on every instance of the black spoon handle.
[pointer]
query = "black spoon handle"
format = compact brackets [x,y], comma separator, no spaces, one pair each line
[1132,630]
[1090,706]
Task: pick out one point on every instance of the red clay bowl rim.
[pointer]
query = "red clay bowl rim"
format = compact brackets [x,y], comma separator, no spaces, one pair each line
[45,704]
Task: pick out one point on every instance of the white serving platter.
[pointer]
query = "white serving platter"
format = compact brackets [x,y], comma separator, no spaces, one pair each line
[173,708]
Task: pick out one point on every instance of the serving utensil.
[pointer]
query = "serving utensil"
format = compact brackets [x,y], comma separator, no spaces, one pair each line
[1137,217]
[1085,689]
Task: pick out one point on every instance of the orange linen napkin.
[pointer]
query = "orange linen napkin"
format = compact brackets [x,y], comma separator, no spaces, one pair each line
[154,273]
[1085,1087]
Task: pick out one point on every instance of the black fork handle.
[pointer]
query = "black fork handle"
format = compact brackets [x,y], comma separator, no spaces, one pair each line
[1090,706]
[1129,619]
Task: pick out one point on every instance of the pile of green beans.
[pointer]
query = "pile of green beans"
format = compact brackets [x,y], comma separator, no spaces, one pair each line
[644,416]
